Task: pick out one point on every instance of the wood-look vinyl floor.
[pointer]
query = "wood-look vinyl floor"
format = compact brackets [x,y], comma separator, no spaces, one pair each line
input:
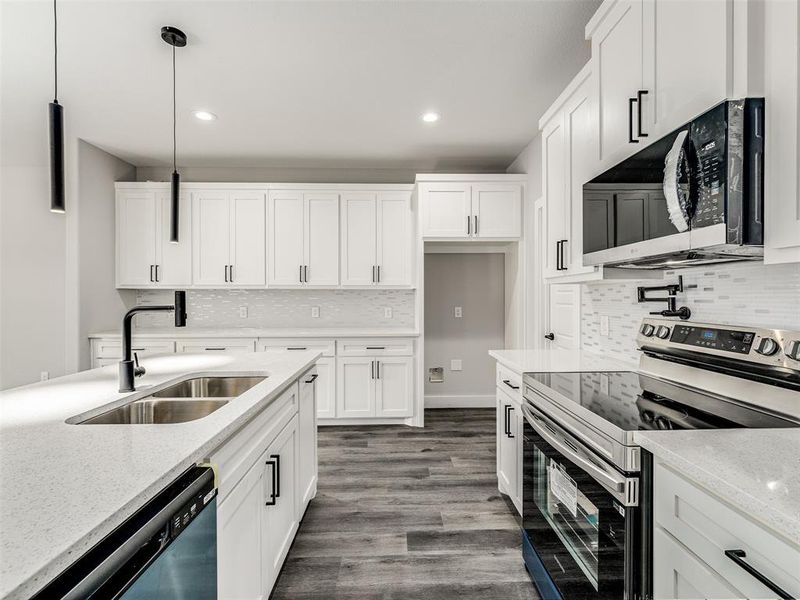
[411,514]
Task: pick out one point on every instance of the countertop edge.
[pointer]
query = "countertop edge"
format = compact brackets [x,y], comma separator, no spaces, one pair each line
[256,333]
[38,579]
[779,523]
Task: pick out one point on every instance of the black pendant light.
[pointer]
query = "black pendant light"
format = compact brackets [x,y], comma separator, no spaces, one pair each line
[56,118]
[177,39]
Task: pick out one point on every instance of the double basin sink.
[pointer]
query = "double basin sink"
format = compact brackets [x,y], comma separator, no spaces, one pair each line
[187,400]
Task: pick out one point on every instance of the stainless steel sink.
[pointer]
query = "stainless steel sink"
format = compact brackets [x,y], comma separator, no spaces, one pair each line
[209,387]
[152,411]
[184,401]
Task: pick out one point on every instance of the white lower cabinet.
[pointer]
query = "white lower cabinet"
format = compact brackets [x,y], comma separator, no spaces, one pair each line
[694,536]
[259,511]
[509,448]
[280,518]
[307,436]
[374,386]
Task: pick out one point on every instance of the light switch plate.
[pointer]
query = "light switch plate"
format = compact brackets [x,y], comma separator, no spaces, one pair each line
[315,312]
[387,312]
[457,312]
[604,325]
[455,364]
[243,312]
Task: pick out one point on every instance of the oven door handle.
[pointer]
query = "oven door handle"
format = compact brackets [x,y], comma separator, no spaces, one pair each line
[624,489]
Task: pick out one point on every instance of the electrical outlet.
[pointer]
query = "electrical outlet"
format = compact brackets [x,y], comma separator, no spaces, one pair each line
[604,325]
[457,313]
[243,312]
[315,312]
[387,312]
[44,375]
[455,364]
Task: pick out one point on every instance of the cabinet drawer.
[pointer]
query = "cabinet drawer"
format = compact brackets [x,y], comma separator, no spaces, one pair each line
[376,347]
[112,348]
[708,527]
[510,382]
[679,575]
[327,347]
[217,345]
[235,457]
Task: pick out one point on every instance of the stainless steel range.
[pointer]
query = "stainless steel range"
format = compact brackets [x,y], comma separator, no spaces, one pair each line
[587,484]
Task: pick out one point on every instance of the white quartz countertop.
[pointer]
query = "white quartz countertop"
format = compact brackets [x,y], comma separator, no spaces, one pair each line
[755,470]
[547,360]
[251,332]
[63,487]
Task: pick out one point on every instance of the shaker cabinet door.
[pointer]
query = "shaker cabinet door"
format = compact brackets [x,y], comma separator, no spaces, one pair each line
[286,243]
[137,217]
[248,243]
[211,237]
[394,235]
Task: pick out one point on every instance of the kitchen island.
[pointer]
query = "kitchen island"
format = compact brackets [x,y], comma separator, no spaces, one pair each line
[63,487]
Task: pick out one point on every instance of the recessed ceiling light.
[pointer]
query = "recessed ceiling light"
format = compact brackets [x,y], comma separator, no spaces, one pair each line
[204,115]
[431,117]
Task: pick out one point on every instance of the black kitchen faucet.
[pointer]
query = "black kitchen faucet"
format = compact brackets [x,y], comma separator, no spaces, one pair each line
[128,370]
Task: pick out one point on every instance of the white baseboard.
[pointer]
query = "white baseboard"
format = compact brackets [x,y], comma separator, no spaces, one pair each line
[458,401]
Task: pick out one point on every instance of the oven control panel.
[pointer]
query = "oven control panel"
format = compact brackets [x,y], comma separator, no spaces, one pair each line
[719,339]
[776,347]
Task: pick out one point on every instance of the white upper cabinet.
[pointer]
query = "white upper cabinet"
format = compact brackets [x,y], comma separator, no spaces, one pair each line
[554,187]
[228,237]
[658,64]
[782,136]
[145,258]
[687,57]
[446,210]
[304,238]
[376,239]
[471,209]
[497,210]
[617,53]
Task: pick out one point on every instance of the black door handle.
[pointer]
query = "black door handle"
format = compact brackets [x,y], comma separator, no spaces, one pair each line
[226,273]
[469,226]
[550,336]
[505,420]
[272,496]
[563,266]
[151,272]
[631,139]
[558,255]
[313,378]
[508,418]
[511,385]
[231,273]
[379,273]
[277,487]
[639,96]
[738,557]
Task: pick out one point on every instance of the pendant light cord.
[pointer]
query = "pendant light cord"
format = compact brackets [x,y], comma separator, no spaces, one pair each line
[55,52]
[174,116]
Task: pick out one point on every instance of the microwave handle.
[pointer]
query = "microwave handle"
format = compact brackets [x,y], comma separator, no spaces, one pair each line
[617,484]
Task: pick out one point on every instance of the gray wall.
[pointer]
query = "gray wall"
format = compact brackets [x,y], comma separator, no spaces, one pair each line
[99,305]
[476,283]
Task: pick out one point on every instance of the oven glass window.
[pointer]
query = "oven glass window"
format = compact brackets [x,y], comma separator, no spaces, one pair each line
[571,515]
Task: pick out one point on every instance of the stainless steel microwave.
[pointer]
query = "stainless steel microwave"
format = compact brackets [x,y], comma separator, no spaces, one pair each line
[696,196]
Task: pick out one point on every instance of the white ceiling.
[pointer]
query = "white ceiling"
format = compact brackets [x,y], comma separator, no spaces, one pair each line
[294,83]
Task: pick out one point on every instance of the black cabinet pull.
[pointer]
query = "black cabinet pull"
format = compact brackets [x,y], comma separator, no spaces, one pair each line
[373,273]
[300,275]
[376,347]
[277,487]
[313,378]
[379,273]
[305,273]
[631,139]
[156,273]
[151,273]
[564,266]
[511,385]
[469,226]
[639,96]
[558,255]
[738,557]
[231,272]
[226,273]
[550,336]
[272,496]
[508,420]
[476,224]
[296,348]
[216,348]
[378,369]
[372,369]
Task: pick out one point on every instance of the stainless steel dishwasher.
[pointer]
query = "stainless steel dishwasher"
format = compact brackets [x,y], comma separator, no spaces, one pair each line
[165,550]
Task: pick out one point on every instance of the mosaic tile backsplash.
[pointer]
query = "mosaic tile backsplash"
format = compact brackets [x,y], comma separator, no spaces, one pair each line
[744,294]
[284,308]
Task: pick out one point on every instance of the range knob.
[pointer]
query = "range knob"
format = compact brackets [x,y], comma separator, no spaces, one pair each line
[767,346]
[648,330]
[793,350]
[662,332]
